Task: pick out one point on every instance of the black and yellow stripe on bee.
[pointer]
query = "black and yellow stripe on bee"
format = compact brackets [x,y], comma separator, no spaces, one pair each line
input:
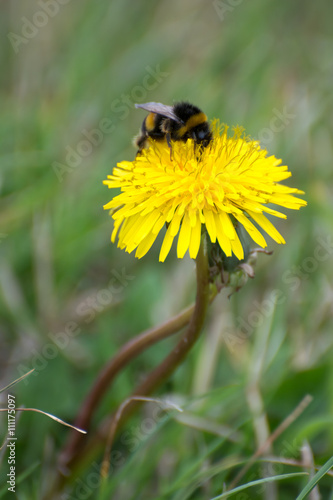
[192,123]
[178,123]
[150,128]
[150,122]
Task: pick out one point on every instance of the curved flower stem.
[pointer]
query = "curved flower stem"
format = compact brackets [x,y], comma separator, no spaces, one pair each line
[178,354]
[128,352]
[194,315]
[163,371]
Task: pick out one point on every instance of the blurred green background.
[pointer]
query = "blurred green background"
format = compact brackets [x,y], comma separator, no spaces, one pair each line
[71,72]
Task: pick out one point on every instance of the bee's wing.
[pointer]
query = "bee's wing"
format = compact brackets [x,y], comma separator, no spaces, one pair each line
[160,109]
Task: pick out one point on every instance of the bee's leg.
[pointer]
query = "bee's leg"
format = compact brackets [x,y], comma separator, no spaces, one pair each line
[194,142]
[197,146]
[168,139]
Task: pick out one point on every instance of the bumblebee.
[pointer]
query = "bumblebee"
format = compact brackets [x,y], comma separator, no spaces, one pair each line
[173,123]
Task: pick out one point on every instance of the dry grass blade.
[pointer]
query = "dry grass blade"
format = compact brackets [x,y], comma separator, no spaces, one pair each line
[49,415]
[115,421]
[17,380]
[278,431]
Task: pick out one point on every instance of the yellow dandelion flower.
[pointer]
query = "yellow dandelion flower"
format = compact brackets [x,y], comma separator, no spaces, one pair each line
[232,179]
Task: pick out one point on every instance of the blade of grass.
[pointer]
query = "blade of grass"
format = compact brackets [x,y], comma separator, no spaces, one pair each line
[275,434]
[316,478]
[257,482]
[17,380]
[53,417]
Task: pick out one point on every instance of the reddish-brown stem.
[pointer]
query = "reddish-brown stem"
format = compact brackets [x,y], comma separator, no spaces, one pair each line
[170,363]
[128,352]
[73,456]
[163,371]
